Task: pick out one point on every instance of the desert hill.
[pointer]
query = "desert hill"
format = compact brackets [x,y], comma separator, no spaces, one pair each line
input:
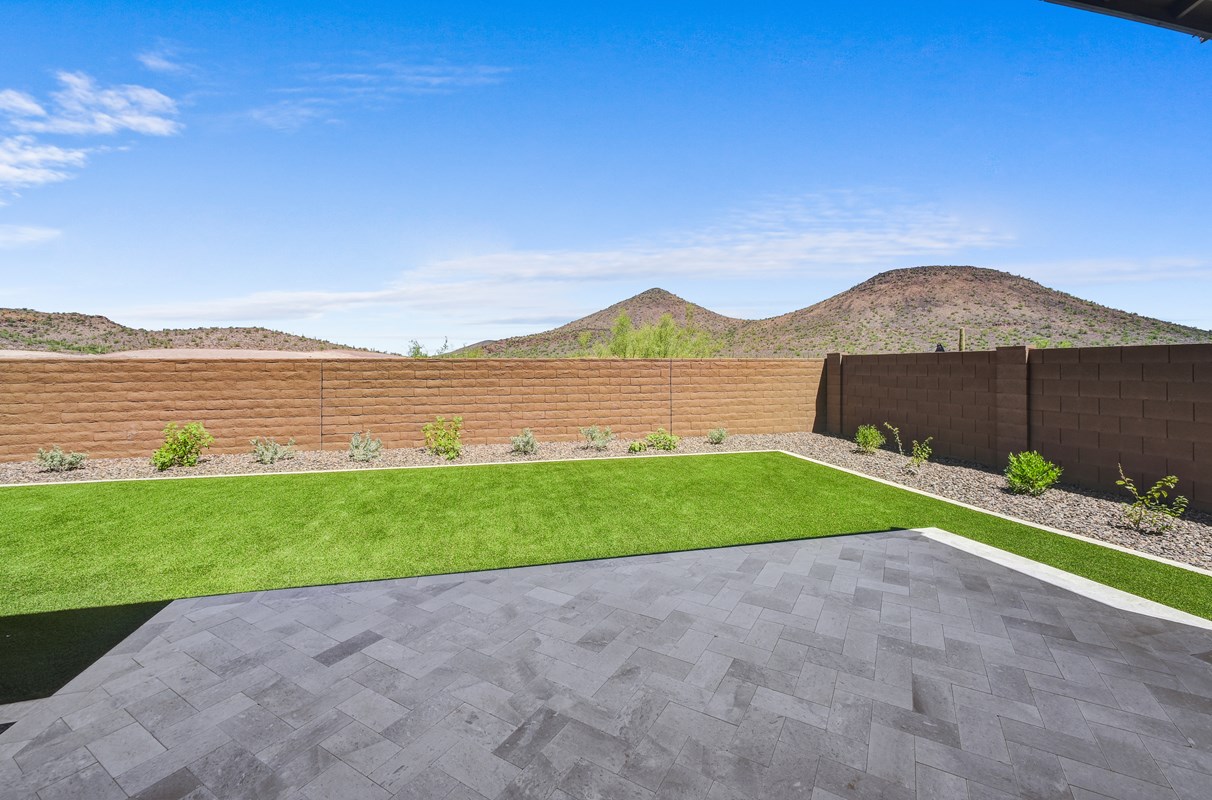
[899,311]
[23,329]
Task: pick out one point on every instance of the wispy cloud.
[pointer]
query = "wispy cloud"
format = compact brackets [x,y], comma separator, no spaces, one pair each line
[843,234]
[164,58]
[322,92]
[25,162]
[13,236]
[80,108]
[1103,271]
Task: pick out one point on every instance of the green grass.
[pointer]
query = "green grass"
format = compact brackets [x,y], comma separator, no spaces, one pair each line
[113,544]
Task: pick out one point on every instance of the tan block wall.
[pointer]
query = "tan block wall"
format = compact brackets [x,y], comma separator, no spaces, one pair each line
[776,397]
[116,408]
[1148,408]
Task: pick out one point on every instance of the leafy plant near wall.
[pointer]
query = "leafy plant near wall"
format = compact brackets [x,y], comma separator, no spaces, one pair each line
[661,439]
[868,438]
[182,446]
[443,437]
[1030,473]
[524,444]
[919,453]
[638,446]
[55,460]
[364,447]
[1149,512]
[267,450]
[717,435]
[596,437]
[666,339]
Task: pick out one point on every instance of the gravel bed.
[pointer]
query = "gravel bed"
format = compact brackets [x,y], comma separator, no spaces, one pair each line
[1094,514]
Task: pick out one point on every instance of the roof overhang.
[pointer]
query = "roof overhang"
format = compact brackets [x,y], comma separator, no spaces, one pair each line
[1186,16]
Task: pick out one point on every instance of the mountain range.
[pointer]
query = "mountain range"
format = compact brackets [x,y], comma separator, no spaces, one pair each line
[899,311]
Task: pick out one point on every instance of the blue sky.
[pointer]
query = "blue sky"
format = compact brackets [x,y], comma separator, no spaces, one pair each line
[383,173]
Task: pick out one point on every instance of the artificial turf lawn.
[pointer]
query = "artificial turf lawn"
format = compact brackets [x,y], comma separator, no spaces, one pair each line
[110,544]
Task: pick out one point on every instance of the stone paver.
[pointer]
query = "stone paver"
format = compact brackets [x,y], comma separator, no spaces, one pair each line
[881,665]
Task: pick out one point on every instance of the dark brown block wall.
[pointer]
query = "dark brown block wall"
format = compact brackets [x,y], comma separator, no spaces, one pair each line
[1088,409]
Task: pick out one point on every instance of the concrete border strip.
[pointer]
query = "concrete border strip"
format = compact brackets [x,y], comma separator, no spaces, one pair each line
[1116,598]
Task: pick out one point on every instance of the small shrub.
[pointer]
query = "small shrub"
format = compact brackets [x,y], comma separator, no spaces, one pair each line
[364,447]
[1030,473]
[267,450]
[524,444]
[717,435]
[182,446]
[443,437]
[661,439]
[597,438]
[1150,512]
[921,453]
[868,438]
[638,446]
[896,435]
[55,460]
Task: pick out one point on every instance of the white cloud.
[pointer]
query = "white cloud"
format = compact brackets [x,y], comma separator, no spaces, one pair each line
[12,236]
[19,104]
[25,162]
[821,235]
[1104,271]
[82,107]
[163,58]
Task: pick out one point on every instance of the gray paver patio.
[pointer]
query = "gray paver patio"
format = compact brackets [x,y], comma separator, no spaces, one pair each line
[875,666]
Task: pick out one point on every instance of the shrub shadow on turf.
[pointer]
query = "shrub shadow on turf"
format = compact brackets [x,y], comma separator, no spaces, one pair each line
[40,653]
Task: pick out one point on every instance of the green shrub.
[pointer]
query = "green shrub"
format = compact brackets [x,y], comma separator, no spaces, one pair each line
[443,437]
[868,438]
[364,447]
[921,453]
[717,435]
[638,446]
[661,439]
[597,438]
[267,450]
[1030,473]
[1149,512]
[524,443]
[55,460]
[182,446]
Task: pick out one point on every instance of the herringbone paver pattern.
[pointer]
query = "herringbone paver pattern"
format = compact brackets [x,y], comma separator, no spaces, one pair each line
[874,666]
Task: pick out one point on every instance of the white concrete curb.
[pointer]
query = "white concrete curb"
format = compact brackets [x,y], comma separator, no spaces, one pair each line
[1066,580]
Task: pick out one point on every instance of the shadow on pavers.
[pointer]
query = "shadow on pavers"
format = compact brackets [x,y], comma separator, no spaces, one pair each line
[40,653]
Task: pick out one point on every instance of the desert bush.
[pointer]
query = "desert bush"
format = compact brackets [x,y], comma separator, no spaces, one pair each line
[267,450]
[661,439]
[597,438]
[182,446]
[921,453]
[524,443]
[443,437]
[665,339]
[364,447]
[1030,473]
[55,460]
[868,438]
[717,435]
[1150,512]
[638,446]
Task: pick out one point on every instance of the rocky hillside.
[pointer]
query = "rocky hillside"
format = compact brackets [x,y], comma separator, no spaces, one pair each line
[23,329]
[900,311]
